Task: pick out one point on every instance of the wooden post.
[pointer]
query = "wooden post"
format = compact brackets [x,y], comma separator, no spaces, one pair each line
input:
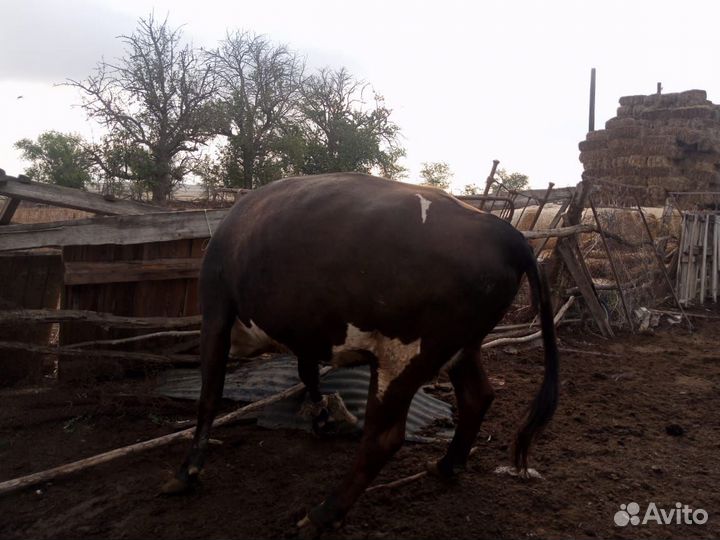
[556,219]
[572,257]
[542,204]
[715,246]
[575,265]
[591,120]
[488,182]
[8,210]
[703,267]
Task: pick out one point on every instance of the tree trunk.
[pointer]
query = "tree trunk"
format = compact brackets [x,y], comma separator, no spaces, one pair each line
[162,181]
[248,165]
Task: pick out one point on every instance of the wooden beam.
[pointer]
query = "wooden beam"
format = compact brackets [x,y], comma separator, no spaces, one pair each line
[8,210]
[85,273]
[572,258]
[72,198]
[90,353]
[560,232]
[118,230]
[105,320]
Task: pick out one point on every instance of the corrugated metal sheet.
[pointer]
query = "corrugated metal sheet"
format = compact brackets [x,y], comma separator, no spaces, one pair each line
[260,379]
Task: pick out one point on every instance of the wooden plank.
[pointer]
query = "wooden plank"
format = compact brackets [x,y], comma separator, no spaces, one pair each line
[575,265]
[703,264]
[73,198]
[84,273]
[92,317]
[118,230]
[27,281]
[99,353]
[560,232]
[8,210]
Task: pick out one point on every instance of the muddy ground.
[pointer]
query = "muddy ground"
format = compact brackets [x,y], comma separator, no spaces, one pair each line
[639,421]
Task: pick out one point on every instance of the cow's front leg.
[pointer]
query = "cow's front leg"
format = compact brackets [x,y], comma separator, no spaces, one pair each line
[309,372]
[383,435]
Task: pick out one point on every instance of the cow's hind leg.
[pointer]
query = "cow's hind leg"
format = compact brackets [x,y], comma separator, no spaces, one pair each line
[214,348]
[383,435]
[474,396]
[309,372]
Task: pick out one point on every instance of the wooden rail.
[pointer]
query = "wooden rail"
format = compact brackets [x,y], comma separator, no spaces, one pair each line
[23,189]
[117,230]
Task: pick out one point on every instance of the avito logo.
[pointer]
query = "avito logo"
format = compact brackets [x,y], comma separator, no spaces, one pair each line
[681,514]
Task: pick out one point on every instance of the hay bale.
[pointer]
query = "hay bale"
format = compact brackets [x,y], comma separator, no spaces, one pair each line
[693,97]
[594,155]
[597,135]
[632,100]
[625,132]
[593,145]
[616,123]
[695,111]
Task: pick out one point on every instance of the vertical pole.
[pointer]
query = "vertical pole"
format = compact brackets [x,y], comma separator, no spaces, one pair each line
[542,204]
[714,247]
[703,267]
[591,122]
[488,182]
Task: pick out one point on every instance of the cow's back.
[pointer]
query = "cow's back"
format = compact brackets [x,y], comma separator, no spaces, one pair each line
[304,257]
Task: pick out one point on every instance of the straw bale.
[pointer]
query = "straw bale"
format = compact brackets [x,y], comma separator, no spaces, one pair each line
[594,156]
[625,132]
[601,134]
[684,113]
[686,135]
[702,163]
[656,194]
[693,97]
[593,144]
[702,177]
[632,100]
[615,123]
[671,183]
[659,161]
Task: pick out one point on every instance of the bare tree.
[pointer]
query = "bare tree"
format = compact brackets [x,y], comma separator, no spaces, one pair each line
[343,132]
[259,85]
[155,104]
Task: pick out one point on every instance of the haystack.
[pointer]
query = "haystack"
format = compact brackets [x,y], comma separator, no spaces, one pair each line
[661,142]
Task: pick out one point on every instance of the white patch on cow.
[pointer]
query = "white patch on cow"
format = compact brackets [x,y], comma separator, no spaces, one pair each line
[251,340]
[424,207]
[393,355]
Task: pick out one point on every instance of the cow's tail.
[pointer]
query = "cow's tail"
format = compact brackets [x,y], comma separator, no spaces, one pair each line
[543,406]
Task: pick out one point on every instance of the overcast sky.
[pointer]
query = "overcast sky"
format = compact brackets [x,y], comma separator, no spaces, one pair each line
[468,82]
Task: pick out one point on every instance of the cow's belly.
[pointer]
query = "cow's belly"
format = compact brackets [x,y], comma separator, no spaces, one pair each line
[392,355]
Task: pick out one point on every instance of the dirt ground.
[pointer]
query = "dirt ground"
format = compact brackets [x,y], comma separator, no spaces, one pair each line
[638,422]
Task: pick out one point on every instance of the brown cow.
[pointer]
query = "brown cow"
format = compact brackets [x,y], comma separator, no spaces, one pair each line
[347,267]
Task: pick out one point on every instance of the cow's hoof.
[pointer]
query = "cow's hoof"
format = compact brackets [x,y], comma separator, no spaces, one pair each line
[326,515]
[322,424]
[175,486]
[182,483]
[307,530]
[437,469]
